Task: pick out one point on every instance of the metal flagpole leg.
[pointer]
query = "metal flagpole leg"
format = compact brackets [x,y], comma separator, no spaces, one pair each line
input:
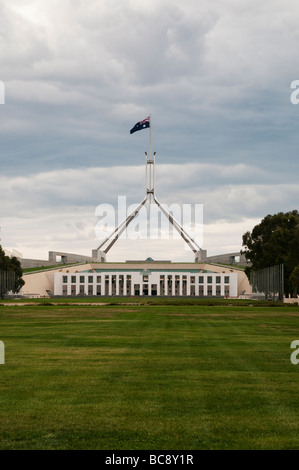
[121,227]
[190,242]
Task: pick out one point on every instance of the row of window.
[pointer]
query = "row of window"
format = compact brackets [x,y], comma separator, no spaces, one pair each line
[91,279]
[145,289]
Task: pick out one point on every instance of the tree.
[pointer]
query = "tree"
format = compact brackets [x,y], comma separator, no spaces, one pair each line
[11,270]
[274,241]
[294,279]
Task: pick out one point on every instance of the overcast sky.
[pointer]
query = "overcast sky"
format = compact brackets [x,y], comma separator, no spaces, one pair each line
[214,75]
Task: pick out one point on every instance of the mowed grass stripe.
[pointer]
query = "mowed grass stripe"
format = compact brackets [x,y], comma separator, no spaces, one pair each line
[148,377]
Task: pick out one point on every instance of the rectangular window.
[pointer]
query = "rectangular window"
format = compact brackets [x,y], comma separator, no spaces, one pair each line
[162,285]
[113,284]
[169,285]
[128,285]
[90,279]
[99,279]
[136,289]
[64,279]
[145,289]
[73,279]
[106,285]
[154,289]
[82,279]
[226,279]
[121,284]
[184,286]
[200,280]
[192,279]
[210,279]
[218,279]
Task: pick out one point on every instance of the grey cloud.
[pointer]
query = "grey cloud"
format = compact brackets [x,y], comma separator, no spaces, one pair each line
[214,75]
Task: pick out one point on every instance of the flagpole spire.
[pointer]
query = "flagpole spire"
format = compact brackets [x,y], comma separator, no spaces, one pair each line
[149,160]
[150,155]
[150,142]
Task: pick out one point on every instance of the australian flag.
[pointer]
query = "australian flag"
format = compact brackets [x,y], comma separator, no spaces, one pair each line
[141,125]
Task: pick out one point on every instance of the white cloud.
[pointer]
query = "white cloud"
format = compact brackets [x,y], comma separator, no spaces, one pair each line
[56,210]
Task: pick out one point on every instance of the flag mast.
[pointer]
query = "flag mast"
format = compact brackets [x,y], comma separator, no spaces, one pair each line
[150,142]
[150,190]
[149,159]
[150,155]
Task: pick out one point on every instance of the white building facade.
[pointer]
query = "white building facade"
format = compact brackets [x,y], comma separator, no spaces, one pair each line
[146,282]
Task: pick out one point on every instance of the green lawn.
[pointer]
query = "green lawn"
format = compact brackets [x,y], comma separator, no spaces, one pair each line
[149,377]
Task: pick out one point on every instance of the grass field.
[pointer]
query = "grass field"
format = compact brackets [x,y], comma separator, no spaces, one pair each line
[149,376]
